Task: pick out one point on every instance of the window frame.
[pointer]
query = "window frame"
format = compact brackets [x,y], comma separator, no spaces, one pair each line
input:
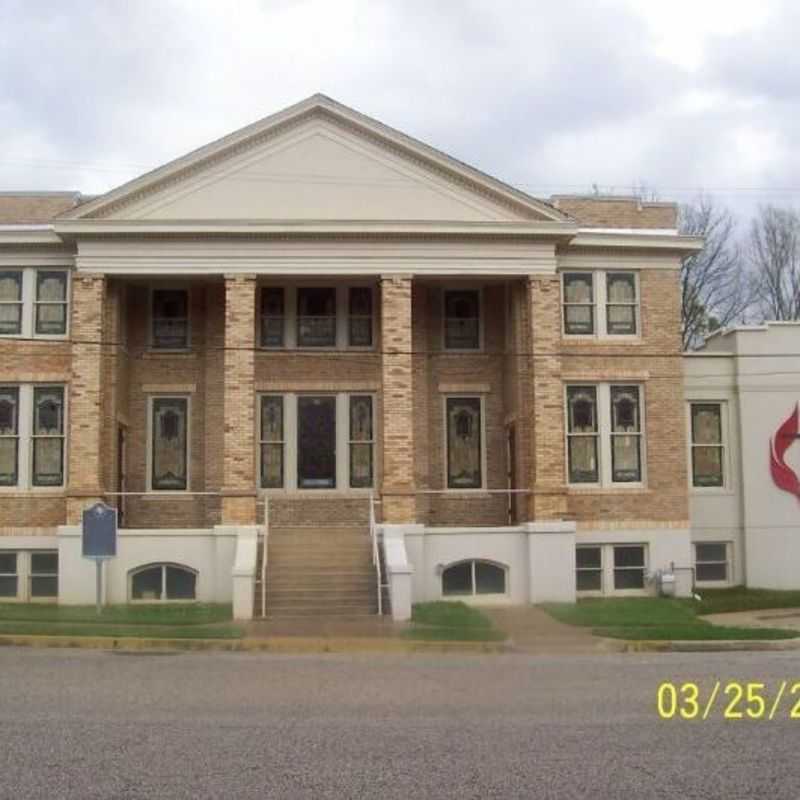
[28,302]
[728,581]
[601,569]
[24,575]
[474,596]
[151,340]
[600,304]
[605,435]
[150,455]
[446,449]
[42,598]
[351,442]
[725,486]
[342,318]
[37,303]
[342,444]
[273,442]
[608,569]
[25,439]
[565,303]
[478,290]
[163,565]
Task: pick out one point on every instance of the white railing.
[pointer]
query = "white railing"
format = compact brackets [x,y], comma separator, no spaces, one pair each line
[376,556]
[265,537]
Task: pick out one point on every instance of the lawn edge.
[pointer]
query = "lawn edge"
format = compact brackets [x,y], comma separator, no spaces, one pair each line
[709,645]
[276,644]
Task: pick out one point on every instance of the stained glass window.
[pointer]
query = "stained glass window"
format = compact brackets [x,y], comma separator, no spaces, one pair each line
[462,319]
[169,443]
[708,450]
[51,303]
[464,469]
[582,434]
[316,317]
[361,441]
[9,435]
[272,442]
[621,303]
[170,319]
[579,303]
[10,302]
[272,316]
[625,435]
[48,436]
[360,317]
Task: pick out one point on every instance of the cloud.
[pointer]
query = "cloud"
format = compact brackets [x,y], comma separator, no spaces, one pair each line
[552,97]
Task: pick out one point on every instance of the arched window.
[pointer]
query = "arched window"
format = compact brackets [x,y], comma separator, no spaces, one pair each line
[474,577]
[163,582]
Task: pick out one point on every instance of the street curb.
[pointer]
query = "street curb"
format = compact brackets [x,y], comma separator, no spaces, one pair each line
[713,646]
[276,644]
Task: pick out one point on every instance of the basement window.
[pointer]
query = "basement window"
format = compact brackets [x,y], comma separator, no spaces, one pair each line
[44,575]
[163,583]
[9,579]
[712,562]
[470,578]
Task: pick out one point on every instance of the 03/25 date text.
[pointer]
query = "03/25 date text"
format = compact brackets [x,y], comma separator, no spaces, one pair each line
[730,700]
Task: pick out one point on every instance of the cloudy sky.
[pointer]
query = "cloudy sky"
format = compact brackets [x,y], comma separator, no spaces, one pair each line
[678,95]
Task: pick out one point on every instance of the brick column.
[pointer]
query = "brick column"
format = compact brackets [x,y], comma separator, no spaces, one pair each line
[239,470]
[545,406]
[85,409]
[399,501]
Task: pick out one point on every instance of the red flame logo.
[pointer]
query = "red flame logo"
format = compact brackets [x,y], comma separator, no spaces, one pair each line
[782,474]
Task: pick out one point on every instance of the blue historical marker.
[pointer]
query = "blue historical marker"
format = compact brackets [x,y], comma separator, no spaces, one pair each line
[99,541]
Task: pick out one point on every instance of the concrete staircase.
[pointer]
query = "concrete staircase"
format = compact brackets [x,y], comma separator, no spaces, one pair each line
[322,570]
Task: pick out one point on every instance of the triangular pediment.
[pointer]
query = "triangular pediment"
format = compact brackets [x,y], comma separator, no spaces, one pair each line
[317,161]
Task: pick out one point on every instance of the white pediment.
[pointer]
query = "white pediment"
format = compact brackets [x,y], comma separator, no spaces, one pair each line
[317,161]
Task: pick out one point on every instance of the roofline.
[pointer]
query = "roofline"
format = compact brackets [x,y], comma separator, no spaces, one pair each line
[627,237]
[317,103]
[67,228]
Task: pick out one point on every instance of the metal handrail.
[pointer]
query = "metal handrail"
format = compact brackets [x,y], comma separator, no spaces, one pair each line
[376,556]
[264,559]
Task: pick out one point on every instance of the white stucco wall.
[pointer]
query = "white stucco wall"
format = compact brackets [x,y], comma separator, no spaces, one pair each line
[755,371]
[210,552]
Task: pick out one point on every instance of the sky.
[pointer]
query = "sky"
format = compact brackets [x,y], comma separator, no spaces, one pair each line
[554,97]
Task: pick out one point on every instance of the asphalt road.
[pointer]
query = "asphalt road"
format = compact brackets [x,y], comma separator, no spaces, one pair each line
[81,724]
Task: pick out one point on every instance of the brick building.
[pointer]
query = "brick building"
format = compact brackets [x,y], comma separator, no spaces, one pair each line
[318,321]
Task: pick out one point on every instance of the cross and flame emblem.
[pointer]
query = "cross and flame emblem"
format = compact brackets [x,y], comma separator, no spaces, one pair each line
[782,474]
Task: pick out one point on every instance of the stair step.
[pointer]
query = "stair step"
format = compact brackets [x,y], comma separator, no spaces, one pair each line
[326,610]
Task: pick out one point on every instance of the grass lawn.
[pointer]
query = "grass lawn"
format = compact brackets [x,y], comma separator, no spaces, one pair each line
[167,621]
[451,622]
[654,618]
[738,598]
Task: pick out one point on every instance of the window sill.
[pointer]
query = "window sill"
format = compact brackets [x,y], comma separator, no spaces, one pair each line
[310,494]
[154,352]
[577,338]
[711,491]
[634,488]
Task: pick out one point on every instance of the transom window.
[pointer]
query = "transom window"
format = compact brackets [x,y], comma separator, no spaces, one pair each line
[462,319]
[170,319]
[317,317]
[169,443]
[604,434]
[317,441]
[32,436]
[471,578]
[708,448]
[599,303]
[712,562]
[464,442]
[162,583]
[34,302]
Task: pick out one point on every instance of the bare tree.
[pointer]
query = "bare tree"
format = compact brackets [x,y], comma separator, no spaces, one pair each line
[714,290]
[774,255]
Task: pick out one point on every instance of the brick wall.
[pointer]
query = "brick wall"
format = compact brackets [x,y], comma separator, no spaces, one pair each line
[618,212]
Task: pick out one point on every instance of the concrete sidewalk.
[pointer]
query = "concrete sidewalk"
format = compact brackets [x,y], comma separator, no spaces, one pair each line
[788,618]
[532,630]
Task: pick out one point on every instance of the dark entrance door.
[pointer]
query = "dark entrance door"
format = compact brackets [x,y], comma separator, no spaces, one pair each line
[316,442]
